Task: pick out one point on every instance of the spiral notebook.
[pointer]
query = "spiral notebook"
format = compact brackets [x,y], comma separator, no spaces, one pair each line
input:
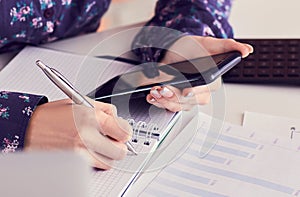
[149,123]
[150,126]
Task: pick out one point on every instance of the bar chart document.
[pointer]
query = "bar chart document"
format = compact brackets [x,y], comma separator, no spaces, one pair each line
[241,163]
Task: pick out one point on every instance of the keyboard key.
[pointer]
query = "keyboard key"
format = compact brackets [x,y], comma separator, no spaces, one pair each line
[250,64]
[278,72]
[279,49]
[294,72]
[263,64]
[249,72]
[263,72]
[279,57]
[292,57]
[279,64]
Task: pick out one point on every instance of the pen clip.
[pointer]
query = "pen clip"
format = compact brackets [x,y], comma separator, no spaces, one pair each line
[63,78]
[65,85]
[68,83]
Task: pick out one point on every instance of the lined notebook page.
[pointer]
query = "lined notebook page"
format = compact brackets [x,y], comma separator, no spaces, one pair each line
[242,163]
[86,73]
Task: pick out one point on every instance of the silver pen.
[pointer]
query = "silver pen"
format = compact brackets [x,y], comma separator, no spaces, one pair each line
[62,83]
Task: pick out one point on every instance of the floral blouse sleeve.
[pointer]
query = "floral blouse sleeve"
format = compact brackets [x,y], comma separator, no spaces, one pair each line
[35,22]
[188,17]
[15,112]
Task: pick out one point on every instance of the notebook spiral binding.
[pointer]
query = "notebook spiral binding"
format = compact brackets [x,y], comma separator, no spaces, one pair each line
[142,130]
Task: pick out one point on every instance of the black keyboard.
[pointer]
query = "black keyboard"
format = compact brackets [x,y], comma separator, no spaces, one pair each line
[274,61]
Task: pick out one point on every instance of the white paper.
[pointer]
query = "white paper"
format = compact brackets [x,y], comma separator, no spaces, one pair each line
[242,163]
[86,73]
[283,127]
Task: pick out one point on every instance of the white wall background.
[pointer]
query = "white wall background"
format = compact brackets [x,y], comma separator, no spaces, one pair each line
[125,12]
[250,18]
[266,18]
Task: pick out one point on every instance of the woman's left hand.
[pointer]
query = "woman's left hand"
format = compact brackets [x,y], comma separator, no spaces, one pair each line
[174,99]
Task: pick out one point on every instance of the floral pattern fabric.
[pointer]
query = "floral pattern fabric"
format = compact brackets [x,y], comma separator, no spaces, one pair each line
[40,21]
[15,112]
[188,17]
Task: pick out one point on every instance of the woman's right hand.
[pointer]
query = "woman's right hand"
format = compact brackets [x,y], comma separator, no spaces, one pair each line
[97,133]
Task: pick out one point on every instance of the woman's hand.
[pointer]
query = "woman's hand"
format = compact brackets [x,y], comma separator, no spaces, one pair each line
[189,47]
[96,133]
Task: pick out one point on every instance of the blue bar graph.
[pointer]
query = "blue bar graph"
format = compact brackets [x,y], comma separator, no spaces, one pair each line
[237,176]
[186,175]
[158,192]
[186,188]
[209,157]
[221,148]
[231,151]
[238,141]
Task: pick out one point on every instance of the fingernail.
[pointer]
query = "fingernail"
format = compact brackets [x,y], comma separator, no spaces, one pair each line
[152,100]
[166,92]
[190,94]
[250,48]
[155,93]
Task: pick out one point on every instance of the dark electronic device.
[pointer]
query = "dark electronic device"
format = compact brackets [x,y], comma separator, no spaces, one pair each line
[274,62]
[183,74]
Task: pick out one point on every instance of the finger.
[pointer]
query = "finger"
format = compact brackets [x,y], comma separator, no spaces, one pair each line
[197,95]
[163,103]
[105,107]
[103,118]
[113,126]
[173,102]
[231,45]
[250,47]
[203,98]
[199,99]
[201,89]
[162,97]
[96,160]
[103,145]
[150,99]
[189,92]
[168,97]
[169,104]
[174,107]
[100,161]
[108,108]
[219,45]
[154,92]
[169,92]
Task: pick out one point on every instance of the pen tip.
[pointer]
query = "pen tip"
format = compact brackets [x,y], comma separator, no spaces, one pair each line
[130,148]
[134,152]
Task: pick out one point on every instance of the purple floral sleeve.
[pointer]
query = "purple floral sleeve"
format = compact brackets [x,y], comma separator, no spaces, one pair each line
[15,112]
[36,22]
[197,17]
[188,17]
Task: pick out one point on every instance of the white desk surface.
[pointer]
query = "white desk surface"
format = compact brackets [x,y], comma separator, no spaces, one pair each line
[274,100]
